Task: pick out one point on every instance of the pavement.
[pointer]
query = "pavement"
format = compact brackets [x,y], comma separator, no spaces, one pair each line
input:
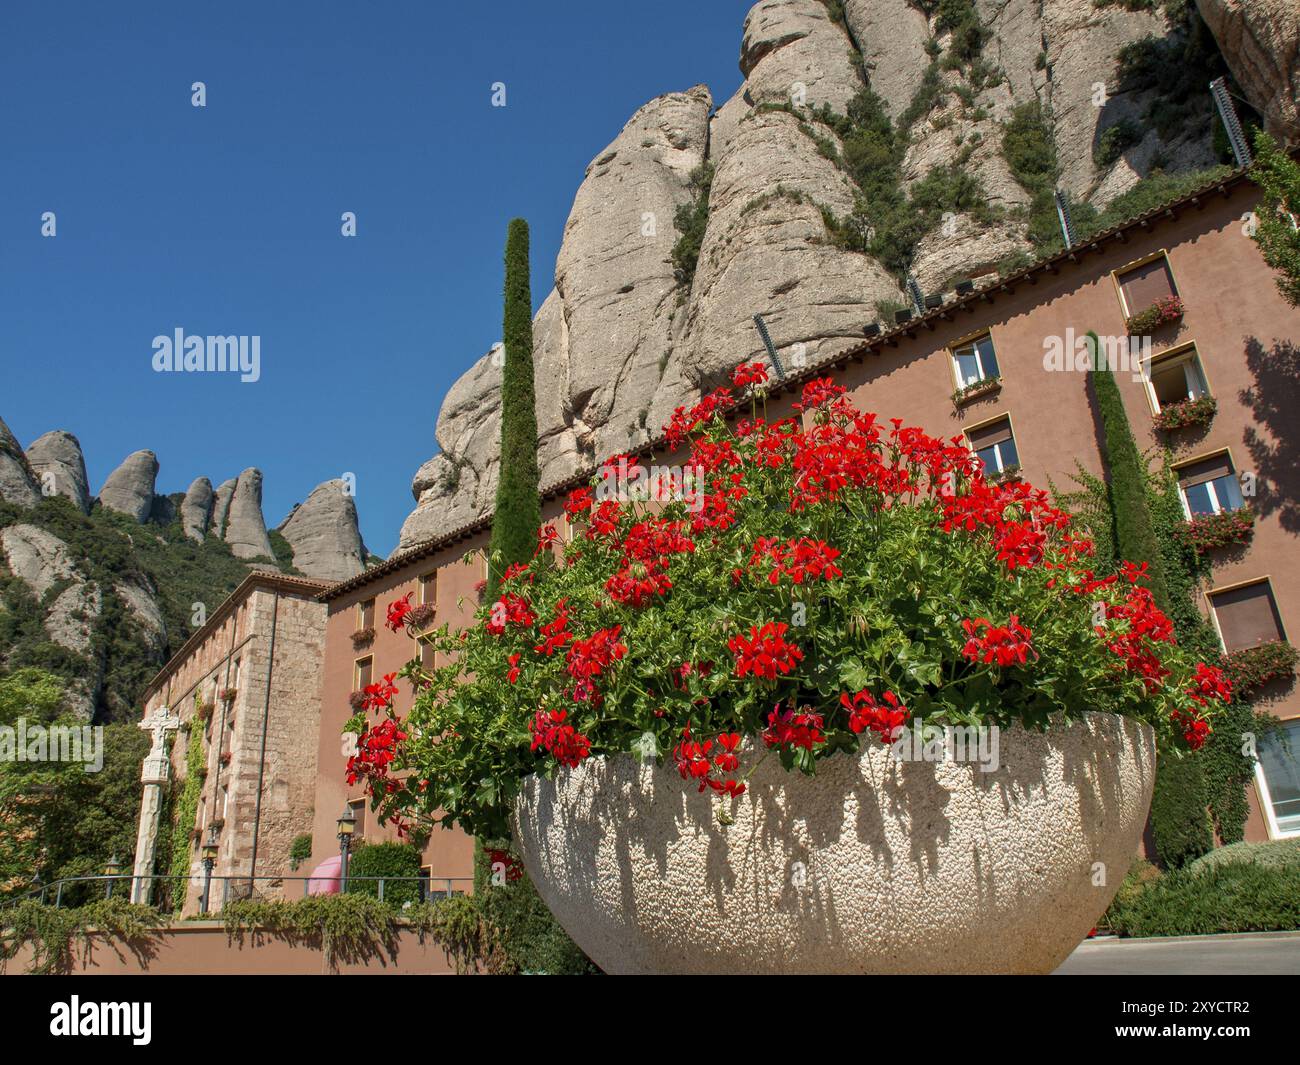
[1246,954]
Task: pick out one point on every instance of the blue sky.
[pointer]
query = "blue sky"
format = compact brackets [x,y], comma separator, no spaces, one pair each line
[226,219]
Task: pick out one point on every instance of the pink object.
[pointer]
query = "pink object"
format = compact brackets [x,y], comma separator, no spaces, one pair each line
[325,877]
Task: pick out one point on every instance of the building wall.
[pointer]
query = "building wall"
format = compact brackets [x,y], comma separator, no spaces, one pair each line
[1246,336]
[236,654]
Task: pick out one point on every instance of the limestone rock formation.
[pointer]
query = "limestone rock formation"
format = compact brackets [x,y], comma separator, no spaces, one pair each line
[221,508]
[324,536]
[140,598]
[196,509]
[620,342]
[129,488]
[245,528]
[60,467]
[17,484]
[39,558]
[1261,42]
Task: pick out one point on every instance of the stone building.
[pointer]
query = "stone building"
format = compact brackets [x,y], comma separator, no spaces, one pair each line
[246,686]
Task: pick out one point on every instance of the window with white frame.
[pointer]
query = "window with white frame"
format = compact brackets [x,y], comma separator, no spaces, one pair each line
[995,445]
[1175,378]
[1209,486]
[1278,776]
[1246,616]
[975,361]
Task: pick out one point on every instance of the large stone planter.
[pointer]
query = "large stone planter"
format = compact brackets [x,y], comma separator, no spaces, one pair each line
[872,866]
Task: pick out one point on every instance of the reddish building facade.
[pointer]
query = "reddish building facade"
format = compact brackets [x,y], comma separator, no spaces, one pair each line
[1002,366]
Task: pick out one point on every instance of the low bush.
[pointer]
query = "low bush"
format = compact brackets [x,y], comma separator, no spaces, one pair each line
[1221,898]
[385,860]
[1277,852]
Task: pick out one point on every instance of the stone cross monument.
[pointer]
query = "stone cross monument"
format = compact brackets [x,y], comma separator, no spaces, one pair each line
[154,776]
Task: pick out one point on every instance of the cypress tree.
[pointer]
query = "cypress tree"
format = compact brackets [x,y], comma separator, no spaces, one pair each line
[518,504]
[1180,818]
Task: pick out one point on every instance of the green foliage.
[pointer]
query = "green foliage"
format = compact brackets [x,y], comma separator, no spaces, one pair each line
[385,860]
[1221,898]
[1275,852]
[1180,817]
[1029,149]
[1135,537]
[185,811]
[354,928]
[961,19]
[1115,140]
[1136,880]
[282,551]
[1278,177]
[299,849]
[55,817]
[518,513]
[527,938]
[54,934]
[692,219]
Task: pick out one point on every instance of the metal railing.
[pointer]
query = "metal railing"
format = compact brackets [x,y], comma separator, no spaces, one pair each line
[73,889]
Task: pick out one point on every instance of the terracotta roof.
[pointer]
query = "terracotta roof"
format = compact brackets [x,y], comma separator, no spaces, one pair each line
[888,337]
[257,578]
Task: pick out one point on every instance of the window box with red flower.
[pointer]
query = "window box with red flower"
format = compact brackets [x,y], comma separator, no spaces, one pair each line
[357,700]
[225,758]
[985,387]
[1251,668]
[1164,311]
[1205,532]
[363,637]
[1186,413]
[227,695]
[653,708]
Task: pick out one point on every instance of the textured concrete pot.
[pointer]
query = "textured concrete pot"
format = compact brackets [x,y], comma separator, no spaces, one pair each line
[872,866]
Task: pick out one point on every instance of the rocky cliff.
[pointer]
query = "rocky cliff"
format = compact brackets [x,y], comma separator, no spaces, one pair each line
[103,591]
[869,141]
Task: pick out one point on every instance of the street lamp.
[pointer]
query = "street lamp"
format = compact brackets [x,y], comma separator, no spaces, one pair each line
[209,860]
[347,824]
[111,870]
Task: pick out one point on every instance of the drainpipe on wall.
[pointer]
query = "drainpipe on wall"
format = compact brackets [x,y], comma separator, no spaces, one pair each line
[261,762]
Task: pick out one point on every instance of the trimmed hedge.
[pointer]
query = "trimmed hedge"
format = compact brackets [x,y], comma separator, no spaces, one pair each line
[385,859]
[1277,852]
[1223,898]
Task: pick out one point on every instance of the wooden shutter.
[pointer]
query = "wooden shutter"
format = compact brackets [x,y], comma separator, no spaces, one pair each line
[988,435]
[1145,284]
[1206,470]
[1246,616]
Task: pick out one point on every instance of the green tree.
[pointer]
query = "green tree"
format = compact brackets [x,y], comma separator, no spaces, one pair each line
[518,504]
[1180,818]
[1278,177]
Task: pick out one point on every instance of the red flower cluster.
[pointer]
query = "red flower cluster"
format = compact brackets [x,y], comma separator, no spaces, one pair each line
[1195,728]
[791,728]
[510,868]
[379,696]
[562,741]
[693,761]
[766,652]
[397,611]
[376,749]
[800,560]
[744,375]
[510,609]
[555,633]
[1003,644]
[866,713]
[1144,624]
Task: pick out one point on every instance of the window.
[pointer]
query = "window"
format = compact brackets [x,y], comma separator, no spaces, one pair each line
[1175,378]
[365,670]
[1144,285]
[975,361]
[427,656]
[995,445]
[1246,616]
[366,614]
[1278,775]
[1209,486]
[429,589]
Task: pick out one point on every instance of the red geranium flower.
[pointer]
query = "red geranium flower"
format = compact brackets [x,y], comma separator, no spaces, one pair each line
[766,652]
